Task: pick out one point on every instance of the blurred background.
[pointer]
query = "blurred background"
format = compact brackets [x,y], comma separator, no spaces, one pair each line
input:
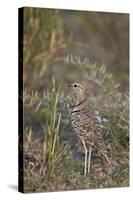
[51,35]
[60,47]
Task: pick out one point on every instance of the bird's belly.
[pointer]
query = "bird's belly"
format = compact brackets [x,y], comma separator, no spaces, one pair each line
[84,126]
[78,125]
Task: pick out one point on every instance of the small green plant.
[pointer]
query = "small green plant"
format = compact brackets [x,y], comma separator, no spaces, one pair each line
[55,146]
[43,156]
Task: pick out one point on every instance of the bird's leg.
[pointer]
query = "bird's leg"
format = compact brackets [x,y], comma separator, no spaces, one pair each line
[85,164]
[89,159]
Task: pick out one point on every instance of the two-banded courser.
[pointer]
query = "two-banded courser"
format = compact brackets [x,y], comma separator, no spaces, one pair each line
[87,125]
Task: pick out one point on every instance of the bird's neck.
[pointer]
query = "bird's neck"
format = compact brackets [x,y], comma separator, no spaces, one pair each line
[80,104]
[81,97]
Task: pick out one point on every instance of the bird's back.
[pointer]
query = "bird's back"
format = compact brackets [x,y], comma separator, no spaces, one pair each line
[87,125]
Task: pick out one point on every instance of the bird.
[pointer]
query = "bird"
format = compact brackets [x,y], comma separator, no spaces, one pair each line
[87,125]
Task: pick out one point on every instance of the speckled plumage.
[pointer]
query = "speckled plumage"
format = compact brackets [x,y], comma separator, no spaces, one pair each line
[87,125]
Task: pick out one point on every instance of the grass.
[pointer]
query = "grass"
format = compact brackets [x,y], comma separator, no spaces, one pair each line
[53,154]
[43,36]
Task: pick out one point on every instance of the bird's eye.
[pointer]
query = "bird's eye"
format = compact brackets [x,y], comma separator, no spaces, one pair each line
[75,85]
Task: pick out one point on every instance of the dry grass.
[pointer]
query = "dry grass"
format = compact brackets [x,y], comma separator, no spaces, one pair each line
[53,154]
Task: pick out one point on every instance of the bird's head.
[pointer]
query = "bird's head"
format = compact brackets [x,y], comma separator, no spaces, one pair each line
[79,91]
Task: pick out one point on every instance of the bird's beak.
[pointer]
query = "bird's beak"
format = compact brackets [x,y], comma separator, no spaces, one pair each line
[69,85]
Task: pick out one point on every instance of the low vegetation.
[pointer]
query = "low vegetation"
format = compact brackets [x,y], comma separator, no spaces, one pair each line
[60,47]
[54,156]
